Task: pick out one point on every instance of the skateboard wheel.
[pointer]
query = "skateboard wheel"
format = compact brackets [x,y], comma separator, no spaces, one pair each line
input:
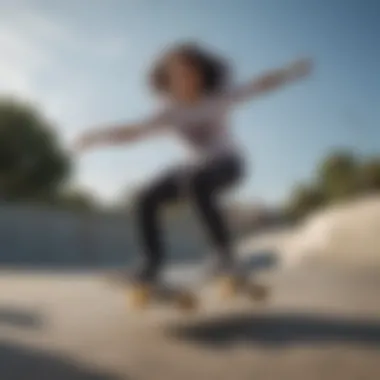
[258,292]
[186,302]
[229,287]
[140,296]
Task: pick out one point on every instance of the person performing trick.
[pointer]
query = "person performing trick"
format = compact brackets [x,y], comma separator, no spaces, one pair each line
[198,96]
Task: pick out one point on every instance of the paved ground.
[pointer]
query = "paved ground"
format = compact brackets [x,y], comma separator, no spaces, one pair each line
[321,323]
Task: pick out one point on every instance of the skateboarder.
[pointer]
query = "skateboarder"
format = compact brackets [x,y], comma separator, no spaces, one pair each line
[199,97]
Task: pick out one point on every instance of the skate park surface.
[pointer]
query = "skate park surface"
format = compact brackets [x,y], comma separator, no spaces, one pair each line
[322,320]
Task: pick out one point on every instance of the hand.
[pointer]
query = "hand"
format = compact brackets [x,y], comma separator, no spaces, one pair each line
[87,141]
[300,68]
[103,137]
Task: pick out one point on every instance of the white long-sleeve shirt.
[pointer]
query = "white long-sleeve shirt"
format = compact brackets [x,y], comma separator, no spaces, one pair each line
[204,126]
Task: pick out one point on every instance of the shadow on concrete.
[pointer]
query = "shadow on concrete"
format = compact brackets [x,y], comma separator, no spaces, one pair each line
[16,317]
[20,363]
[278,330]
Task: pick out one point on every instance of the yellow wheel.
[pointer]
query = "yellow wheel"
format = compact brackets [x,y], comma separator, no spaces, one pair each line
[186,302]
[140,296]
[229,286]
[258,292]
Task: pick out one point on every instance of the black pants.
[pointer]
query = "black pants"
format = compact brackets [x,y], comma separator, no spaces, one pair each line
[202,184]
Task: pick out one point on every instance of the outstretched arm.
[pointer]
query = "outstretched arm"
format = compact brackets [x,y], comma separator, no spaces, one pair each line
[272,80]
[122,133]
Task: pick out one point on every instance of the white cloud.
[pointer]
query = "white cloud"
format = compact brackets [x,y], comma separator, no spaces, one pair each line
[25,35]
[33,47]
[34,44]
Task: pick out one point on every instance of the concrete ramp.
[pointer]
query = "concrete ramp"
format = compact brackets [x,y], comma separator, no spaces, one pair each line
[345,234]
[320,321]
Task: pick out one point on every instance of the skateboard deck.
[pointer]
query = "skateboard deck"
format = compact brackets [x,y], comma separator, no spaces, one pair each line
[188,291]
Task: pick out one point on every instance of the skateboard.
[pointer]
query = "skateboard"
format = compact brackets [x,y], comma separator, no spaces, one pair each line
[188,298]
[181,298]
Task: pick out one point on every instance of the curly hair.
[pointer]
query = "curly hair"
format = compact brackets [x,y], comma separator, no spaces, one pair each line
[214,71]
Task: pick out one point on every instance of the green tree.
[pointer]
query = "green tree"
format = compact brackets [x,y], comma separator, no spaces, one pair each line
[370,175]
[304,200]
[337,176]
[32,163]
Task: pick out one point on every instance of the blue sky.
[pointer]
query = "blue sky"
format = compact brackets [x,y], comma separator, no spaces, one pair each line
[85,62]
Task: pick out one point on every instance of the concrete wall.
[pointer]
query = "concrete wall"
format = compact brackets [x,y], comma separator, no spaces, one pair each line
[35,236]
